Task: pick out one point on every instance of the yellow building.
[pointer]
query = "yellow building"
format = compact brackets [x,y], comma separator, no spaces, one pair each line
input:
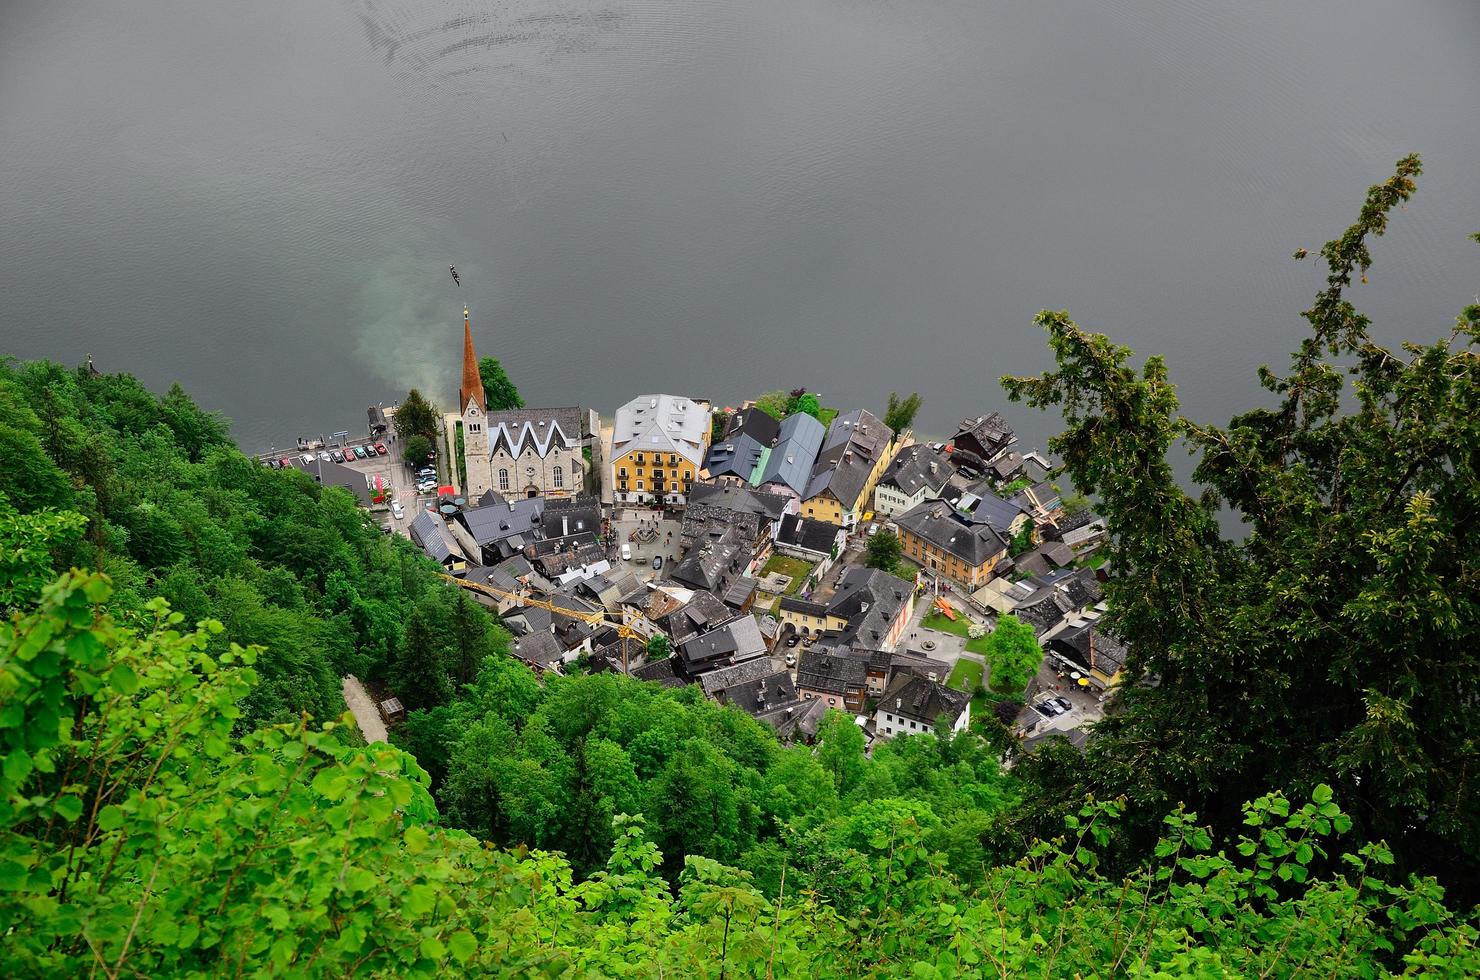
[937,537]
[854,456]
[658,447]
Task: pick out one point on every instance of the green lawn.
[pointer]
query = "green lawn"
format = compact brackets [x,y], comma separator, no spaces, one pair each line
[785,564]
[966,676]
[978,645]
[935,620]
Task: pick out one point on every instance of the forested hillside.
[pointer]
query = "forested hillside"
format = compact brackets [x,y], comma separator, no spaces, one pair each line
[1276,798]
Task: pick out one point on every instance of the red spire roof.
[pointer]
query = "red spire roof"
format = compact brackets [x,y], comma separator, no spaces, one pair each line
[472,382]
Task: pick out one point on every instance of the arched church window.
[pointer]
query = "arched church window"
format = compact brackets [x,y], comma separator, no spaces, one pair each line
[503,479]
[559,477]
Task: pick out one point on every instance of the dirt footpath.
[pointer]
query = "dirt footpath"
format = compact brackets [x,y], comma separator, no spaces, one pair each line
[364,710]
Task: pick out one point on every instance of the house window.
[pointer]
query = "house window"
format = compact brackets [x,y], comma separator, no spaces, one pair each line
[559,477]
[641,459]
[475,427]
[672,460]
[657,474]
[503,479]
[622,472]
[639,484]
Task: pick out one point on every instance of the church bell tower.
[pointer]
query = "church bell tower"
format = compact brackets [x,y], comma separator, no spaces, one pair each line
[474,407]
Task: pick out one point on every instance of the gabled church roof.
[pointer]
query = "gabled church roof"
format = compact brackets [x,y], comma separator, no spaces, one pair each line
[472,382]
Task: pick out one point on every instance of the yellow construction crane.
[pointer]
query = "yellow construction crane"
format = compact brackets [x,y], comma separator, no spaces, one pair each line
[593,619]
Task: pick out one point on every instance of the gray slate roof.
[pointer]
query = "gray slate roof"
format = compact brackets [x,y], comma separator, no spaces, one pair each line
[807,533]
[734,642]
[854,443]
[915,467]
[791,459]
[923,701]
[430,531]
[542,429]
[939,524]
[736,456]
[832,674]
[792,721]
[752,697]
[741,673]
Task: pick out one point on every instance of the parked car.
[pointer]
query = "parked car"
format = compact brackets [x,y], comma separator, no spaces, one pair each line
[337,456]
[626,552]
[380,448]
[873,529]
[791,660]
[398,511]
[793,639]
[359,452]
[657,563]
[307,459]
[324,456]
[427,472]
[388,528]
[284,463]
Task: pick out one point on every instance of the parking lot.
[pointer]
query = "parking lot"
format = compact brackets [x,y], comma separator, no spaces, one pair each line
[363,456]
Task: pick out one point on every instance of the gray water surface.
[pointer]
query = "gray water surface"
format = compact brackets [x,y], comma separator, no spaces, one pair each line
[714,197]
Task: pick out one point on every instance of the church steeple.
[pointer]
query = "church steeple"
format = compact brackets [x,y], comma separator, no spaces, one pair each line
[472,383]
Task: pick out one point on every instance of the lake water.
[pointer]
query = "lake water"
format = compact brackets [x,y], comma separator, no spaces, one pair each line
[713,197]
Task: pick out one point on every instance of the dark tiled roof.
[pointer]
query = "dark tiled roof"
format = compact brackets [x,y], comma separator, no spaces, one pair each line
[919,666]
[980,505]
[808,534]
[540,649]
[799,719]
[915,467]
[740,592]
[741,673]
[763,693]
[732,643]
[756,424]
[938,523]
[924,701]
[515,430]
[430,531]
[803,606]
[714,565]
[1039,495]
[855,442]
[739,499]
[1091,648]
[703,612]
[736,456]
[662,672]
[832,674]
[990,432]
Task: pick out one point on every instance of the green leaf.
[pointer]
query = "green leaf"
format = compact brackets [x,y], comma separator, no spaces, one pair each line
[1321,794]
[69,808]
[463,945]
[432,948]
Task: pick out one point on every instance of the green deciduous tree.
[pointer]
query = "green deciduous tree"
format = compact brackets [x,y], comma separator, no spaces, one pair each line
[900,414]
[1012,655]
[883,550]
[1332,639]
[417,450]
[416,416]
[498,390]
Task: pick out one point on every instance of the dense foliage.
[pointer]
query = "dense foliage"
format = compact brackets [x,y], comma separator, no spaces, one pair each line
[152,491]
[1336,641]
[138,837]
[498,391]
[549,765]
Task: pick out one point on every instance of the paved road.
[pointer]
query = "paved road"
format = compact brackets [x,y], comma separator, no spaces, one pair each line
[360,705]
[625,520]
